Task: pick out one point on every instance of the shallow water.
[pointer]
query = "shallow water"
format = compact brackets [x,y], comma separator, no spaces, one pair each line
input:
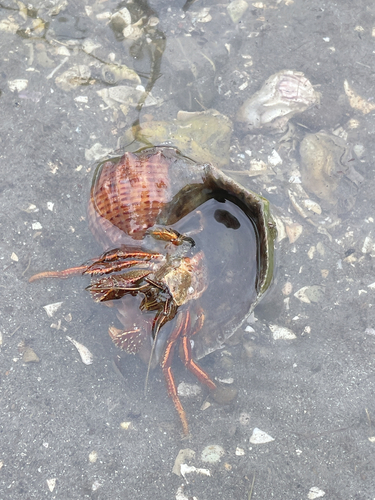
[313,393]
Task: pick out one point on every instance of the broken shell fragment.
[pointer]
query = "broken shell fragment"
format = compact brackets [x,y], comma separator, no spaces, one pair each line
[17,85]
[293,231]
[282,96]
[51,483]
[73,77]
[309,294]
[52,308]
[29,356]
[260,437]
[183,455]
[280,332]
[326,171]
[86,356]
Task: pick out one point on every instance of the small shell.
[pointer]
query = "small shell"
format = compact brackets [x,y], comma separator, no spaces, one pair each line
[86,356]
[282,96]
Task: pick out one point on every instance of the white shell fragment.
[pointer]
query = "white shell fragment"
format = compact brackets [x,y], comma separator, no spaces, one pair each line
[52,308]
[183,455]
[260,437]
[17,85]
[51,483]
[281,332]
[86,356]
[293,231]
[8,25]
[126,425]
[36,226]
[287,288]
[315,493]
[14,257]
[310,294]
[187,469]
[274,159]
[93,457]
[212,454]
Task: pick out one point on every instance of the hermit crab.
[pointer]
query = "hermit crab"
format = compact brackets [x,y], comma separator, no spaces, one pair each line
[149,211]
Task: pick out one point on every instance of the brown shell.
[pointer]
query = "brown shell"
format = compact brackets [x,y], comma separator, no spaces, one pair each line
[129,195]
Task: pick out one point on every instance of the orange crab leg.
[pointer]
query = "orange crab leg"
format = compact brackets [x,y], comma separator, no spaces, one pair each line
[66,273]
[186,356]
[166,367]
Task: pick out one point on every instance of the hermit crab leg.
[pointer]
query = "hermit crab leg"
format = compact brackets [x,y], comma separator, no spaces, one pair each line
[118,259]
[187,359]
[108,262]
[66,273]
[166,366]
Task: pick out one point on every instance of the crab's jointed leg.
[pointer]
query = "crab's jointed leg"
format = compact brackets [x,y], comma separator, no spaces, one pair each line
[186,355]
[166,366]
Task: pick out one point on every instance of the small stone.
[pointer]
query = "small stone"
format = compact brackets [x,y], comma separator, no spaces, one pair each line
[14,257]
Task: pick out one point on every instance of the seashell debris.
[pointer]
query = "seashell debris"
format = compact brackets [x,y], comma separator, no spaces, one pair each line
[315,492]
[260,437]
[52,308]
[183,455]
[86,356]
[281,332]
